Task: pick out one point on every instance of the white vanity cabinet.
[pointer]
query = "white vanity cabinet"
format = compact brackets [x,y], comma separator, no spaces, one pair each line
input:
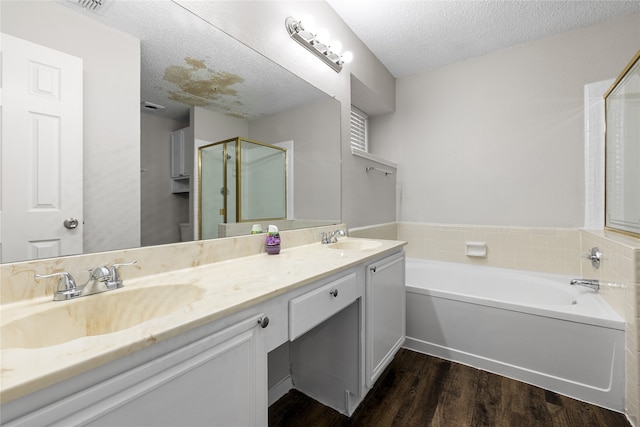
[325,347]
[330,338]
[385,313]
[182,154]
[217,380]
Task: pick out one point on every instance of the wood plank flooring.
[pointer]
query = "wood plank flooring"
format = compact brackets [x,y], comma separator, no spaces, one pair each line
[420,390]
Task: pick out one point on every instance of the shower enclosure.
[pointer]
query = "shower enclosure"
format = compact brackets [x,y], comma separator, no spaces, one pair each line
[240,180]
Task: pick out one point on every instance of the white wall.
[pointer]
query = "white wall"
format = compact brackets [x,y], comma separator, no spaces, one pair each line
[315,131]
[161,211]
[498,140]
[111,62]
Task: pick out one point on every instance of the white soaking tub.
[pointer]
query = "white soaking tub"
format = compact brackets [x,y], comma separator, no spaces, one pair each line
[532,327]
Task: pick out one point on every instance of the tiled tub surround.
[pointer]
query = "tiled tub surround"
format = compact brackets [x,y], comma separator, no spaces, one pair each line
[548,250]
[620,265]
[234,273]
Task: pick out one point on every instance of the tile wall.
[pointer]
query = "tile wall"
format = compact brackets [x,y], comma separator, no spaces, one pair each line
[533,249]
[619,276]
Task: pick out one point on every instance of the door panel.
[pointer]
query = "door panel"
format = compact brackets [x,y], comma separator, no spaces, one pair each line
[41,151]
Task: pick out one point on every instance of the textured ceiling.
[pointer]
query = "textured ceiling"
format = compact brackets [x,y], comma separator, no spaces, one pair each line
[186,61]
[411,36]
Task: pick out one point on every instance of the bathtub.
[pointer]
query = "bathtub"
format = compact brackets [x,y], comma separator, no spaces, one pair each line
[532,327]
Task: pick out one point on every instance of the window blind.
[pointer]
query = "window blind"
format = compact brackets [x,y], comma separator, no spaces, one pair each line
[358,129]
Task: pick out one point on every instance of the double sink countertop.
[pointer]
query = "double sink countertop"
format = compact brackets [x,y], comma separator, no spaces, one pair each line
[43,342]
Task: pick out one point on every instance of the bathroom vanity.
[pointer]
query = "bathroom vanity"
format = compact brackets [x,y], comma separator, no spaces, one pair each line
[334,314]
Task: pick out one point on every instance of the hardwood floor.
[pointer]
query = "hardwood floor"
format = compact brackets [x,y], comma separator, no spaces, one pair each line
[420,390]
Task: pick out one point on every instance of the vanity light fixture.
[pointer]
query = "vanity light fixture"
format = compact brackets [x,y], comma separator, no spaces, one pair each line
[317,44]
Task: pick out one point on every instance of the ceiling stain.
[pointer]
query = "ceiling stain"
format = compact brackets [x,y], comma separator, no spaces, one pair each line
[201,86]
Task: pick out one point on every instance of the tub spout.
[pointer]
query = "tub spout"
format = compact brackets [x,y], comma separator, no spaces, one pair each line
[589,283]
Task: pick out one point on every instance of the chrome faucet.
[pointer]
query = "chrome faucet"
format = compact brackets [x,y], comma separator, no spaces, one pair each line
[589,283]
[67,287]
[331,237]
[101,279]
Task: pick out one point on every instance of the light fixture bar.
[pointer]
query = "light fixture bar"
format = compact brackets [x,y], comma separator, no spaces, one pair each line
[320,49]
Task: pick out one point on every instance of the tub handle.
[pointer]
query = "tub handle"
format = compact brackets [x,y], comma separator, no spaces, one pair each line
[595,256]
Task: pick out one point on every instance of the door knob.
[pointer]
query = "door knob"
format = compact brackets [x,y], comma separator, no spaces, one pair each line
[71,223]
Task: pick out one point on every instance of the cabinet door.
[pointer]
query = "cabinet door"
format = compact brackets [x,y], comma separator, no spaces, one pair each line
[187,152]
[220,380]
[176,153]
[181,153]
[385,314]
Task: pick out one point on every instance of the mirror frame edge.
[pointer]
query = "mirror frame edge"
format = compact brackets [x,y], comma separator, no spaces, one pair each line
[634,60]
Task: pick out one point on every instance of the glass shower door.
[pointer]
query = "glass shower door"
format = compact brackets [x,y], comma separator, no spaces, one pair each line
[212,190]
[263,182]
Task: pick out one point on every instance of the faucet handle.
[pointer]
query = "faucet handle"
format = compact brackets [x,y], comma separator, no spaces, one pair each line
[115,275]
[67,288]
[101,274]
[595,256]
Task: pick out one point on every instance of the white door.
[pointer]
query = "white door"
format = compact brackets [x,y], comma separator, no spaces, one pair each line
[41,149]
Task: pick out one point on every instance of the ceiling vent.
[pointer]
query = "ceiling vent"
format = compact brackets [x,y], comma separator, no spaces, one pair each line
[150,106]
[94,6]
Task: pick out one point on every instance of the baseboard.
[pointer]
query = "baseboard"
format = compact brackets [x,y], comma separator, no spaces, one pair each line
[280,389]
[604,398]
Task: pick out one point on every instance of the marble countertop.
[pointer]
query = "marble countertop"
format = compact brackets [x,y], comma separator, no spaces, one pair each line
[216,290]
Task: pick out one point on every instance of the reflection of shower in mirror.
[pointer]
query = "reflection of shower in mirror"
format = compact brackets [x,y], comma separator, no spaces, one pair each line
[251,188]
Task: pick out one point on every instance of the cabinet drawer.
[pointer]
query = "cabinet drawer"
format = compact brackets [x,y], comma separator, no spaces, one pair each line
[314,307]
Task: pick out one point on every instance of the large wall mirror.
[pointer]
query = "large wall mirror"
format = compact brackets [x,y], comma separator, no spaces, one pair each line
[150,68]
[622,142]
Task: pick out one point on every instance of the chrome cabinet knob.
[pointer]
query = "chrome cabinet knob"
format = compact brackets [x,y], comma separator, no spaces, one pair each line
[263,321]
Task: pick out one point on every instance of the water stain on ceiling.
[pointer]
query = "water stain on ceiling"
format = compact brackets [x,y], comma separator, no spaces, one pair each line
[198,85]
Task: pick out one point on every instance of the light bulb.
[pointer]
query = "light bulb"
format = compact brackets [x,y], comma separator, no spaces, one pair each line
[322,35]
[347,57]
[308,23]
[336,46]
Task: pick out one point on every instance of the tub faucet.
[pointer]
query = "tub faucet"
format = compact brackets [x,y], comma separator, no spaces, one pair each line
[589,283]
[331,237]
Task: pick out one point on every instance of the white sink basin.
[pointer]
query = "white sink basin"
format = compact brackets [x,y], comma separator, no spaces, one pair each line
[98,314]
[355,245]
